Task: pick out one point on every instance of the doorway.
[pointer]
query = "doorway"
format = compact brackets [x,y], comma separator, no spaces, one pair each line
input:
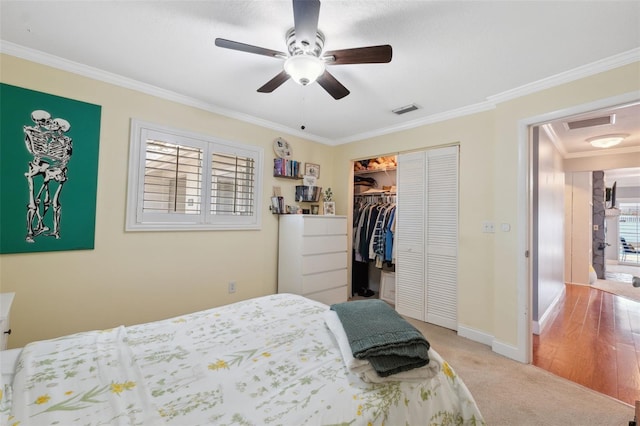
[538,280]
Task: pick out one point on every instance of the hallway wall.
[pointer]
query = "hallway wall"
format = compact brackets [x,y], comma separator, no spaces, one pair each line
[549,208]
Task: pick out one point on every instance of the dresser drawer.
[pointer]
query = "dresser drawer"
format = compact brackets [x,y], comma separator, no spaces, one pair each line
[324,244]
[323,281]
[329,297]
[315,263]
[325,226]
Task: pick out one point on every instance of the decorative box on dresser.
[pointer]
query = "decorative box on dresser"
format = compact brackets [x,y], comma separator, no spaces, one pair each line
[6,299]
[312,257]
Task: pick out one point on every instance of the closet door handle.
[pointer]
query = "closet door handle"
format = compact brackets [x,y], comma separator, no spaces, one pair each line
[8,331]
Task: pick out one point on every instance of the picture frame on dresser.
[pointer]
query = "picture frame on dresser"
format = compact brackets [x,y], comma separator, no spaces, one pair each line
[329,208]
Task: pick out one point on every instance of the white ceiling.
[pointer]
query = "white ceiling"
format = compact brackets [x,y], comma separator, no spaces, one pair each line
[571,139]
[449,57]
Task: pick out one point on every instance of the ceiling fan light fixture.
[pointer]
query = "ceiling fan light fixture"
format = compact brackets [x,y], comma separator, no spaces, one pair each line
[304,69]
[606,141]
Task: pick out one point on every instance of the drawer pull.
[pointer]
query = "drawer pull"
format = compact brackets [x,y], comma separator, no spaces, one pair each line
[8,331]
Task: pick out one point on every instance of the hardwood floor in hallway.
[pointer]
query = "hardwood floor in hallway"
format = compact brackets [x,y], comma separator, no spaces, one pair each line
[594,340]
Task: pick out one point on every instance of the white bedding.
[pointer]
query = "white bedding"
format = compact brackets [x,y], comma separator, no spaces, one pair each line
[264,361]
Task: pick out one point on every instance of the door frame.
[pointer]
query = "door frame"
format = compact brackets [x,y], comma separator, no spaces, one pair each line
[525,213]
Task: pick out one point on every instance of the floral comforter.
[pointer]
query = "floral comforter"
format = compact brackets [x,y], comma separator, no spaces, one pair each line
[263,361]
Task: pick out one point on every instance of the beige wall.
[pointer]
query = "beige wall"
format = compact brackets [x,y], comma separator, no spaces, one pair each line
[508,114]
[135,277]
[490,166]
[475,136]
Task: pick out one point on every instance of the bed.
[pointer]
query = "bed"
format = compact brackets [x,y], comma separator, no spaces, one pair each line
[270,360]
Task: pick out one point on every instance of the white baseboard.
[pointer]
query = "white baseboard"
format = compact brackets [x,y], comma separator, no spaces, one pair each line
[509,351]
[475,335]
[538,327]
[503,349]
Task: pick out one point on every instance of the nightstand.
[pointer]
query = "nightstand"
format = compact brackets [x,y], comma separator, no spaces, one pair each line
[6,299]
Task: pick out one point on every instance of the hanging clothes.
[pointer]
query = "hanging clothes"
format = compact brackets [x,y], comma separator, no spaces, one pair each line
[374,225]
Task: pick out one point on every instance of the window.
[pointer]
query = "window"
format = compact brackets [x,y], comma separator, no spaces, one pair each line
[629,230]
[184,181]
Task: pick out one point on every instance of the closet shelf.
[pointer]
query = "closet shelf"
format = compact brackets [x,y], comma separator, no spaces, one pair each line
[367,172]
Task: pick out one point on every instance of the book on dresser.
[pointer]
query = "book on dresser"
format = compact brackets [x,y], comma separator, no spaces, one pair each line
[312,257]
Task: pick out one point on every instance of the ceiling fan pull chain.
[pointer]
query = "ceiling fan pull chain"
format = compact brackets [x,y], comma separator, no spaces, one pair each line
[302,126]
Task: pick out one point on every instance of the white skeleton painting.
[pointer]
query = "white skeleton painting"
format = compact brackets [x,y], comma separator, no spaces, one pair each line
[51,150]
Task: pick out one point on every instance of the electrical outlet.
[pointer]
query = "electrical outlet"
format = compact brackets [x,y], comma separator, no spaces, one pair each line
[232,286]
[488,227]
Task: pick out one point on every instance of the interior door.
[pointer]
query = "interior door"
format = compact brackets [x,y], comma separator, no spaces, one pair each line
[410,233]
[427,236]
[441,298]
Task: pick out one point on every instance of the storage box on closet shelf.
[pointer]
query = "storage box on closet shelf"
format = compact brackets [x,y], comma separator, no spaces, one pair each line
[379,164]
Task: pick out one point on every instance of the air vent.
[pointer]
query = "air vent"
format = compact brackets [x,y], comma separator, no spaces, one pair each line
[591,122]
[405,109]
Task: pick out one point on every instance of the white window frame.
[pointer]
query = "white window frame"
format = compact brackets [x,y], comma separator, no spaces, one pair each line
[137,220]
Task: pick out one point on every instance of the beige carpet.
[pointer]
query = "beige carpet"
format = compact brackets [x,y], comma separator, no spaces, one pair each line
[510,393]
[624,289]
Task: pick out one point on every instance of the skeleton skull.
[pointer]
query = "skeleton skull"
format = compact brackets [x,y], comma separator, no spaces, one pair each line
[41,118]
[60,124]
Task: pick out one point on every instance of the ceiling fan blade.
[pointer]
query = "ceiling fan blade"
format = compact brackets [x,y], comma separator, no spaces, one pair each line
[360,55]
[274,83]
[305,19]
[332,86]
[234,45]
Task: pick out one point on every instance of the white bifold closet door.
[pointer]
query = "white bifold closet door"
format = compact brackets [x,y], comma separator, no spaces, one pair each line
[426,236]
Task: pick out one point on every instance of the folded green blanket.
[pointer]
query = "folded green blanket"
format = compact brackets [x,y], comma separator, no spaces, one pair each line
[377,333]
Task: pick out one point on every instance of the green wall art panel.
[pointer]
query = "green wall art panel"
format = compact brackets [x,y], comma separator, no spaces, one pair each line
[48,171]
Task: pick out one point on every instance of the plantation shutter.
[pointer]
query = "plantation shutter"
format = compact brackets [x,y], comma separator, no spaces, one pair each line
[427,236]
[232,180]
[180,180]
[172,180]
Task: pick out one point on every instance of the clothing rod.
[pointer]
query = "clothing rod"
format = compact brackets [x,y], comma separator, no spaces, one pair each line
[379,194]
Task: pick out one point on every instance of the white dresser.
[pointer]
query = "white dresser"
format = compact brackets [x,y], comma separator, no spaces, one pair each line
[312,257]
[6,299]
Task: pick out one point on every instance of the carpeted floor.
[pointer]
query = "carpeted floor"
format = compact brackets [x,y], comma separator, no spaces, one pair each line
[511,393]
[618,280]
[624,289]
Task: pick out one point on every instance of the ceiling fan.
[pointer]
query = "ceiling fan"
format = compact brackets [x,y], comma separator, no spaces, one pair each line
[306,62]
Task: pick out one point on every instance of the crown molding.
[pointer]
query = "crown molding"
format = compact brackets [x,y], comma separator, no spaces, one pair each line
[430,119]
[597,67]
[588,70]
[43,58]
[117,80]
[553,137]
[603,151]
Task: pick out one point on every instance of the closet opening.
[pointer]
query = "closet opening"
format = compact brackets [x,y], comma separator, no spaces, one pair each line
[409,200]
[374,208]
